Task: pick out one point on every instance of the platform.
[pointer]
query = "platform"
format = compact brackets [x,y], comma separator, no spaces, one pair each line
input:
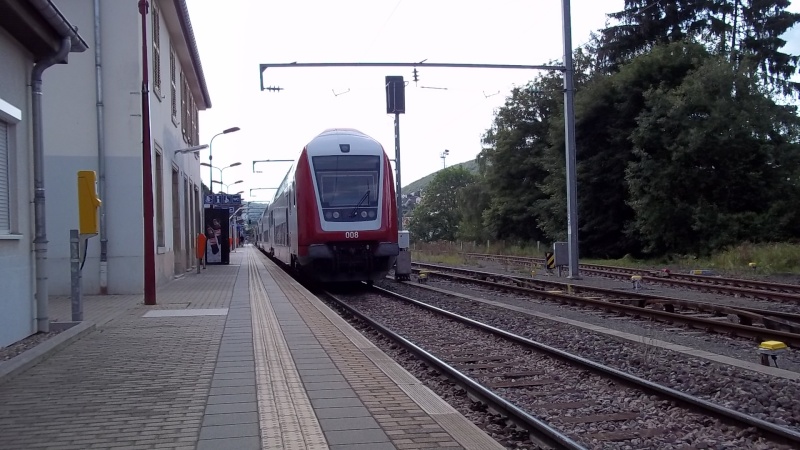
[237,357]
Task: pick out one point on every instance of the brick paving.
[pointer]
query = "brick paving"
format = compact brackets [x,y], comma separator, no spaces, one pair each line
[228,359]
[134,383]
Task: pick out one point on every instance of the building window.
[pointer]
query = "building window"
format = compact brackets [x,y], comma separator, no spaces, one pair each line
[156,51]
[195,127]
[189,126]
[173,92]
[159,176]
[186,122]
[5,204]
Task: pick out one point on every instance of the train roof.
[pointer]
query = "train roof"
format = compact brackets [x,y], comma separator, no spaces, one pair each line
[352,131]
[343,141]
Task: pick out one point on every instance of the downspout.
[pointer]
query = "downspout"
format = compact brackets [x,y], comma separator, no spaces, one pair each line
[101,150]
[40,226]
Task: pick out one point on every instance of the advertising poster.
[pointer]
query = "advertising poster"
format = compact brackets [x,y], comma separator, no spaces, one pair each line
[216,230]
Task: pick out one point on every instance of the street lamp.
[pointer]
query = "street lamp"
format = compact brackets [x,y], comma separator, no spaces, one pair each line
[443,155]
[210,149]
[228,186]
[194,149]
[220,170]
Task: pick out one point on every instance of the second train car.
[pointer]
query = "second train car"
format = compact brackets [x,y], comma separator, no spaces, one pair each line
[334,216]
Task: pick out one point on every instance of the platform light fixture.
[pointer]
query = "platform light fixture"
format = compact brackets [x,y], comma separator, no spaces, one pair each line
[193,149]
[211,149]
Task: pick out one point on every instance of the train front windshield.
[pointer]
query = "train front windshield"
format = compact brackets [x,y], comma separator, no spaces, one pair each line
[348,181]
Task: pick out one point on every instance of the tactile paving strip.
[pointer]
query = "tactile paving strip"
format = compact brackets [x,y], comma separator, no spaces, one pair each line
[287,419]
[407,429]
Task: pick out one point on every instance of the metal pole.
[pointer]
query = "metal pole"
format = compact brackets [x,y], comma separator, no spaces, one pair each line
[211,165]
[147,173]
[101,149]
[75,275]
[569,124]
[397,170]
[39,210]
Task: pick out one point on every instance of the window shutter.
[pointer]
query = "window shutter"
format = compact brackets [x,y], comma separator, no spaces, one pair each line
[5,222]
[173,91]
[183,105]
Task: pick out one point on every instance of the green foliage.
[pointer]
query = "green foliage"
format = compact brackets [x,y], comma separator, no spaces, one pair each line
[710,157]
[472,200]
[514,163]
[681,148]
[769,258]
[438,216]
[422,183]
[606,112]
[748,32]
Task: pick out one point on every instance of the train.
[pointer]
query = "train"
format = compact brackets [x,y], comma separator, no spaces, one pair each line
[334,216]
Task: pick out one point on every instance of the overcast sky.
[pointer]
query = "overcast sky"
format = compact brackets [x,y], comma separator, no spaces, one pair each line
[235,36]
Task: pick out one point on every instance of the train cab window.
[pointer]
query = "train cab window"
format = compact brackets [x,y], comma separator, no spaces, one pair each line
[348,186]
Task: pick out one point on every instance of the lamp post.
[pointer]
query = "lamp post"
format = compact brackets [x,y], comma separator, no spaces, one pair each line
[228,186]
[194,149]
[211,183]
[148,208]
[211,149]
[443,155]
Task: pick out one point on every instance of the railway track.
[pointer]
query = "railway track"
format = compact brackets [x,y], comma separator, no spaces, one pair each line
[764,290]
[772,325]
[561,399]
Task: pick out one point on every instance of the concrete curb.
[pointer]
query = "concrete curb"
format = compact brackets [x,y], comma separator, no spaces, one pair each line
[24,361]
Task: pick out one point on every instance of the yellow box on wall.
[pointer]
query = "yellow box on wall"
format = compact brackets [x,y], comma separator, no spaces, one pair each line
[88,203]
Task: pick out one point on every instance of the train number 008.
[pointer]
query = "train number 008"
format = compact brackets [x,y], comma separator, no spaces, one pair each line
[351,234]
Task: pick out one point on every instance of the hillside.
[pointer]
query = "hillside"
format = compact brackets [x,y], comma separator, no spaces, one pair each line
[472,166]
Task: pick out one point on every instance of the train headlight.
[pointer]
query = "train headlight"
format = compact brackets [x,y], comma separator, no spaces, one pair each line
[372,214]
[364,214]
[336,214]
[327,214]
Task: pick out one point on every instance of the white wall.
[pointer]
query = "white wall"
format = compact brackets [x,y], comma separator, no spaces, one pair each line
[71,145]
[17,304]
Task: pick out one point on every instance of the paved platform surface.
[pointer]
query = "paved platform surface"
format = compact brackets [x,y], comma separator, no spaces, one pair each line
[237,357]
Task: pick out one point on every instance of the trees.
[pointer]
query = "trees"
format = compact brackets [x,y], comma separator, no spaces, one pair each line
[439,214]
[714,160]
[606,112]
[514,164]
[747,31]
[679,140]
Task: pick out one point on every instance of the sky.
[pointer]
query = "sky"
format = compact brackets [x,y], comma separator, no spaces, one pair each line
[448,109]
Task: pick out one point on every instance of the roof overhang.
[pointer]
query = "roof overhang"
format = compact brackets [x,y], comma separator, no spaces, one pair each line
[39,26]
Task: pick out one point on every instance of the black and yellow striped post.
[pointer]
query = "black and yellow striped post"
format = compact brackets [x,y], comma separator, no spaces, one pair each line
[550,261]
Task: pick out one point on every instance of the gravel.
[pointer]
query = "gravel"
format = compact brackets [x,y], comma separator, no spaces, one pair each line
[680,427]
[734,347]
[763,396]
[649,288]
[731,346]
[19,347]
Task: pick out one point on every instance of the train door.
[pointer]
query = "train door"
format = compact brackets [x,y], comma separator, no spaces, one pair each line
[286,227]
[268,234]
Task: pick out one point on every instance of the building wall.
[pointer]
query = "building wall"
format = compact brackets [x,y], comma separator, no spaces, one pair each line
[71,145]
[17,305]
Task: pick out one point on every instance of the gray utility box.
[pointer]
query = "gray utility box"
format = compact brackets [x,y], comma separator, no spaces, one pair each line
[402,269]
[561,253]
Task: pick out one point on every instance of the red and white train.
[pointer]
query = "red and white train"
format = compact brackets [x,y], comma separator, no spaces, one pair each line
[334,216]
